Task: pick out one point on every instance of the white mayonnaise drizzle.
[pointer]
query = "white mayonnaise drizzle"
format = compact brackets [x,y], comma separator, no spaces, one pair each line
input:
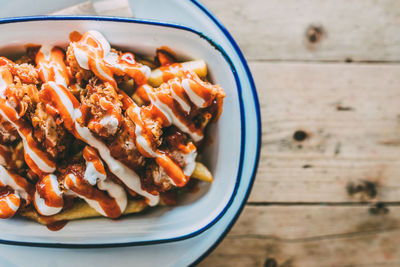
[110,123]
[81,57]
[7,179]
[125,174]
[45,49]
[93,203]
[3,83]
[108,56]
[10,204]
[195,98]
[115,191]
[93,176]
[43,208]
[190,162]
[185,106]
[41,164]
[170,115]
[140,138]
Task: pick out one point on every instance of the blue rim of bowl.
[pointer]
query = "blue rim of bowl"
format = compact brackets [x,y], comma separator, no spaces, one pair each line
[242,142]
[235,46]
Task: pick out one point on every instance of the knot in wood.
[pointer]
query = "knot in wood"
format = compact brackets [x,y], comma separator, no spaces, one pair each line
[314,34]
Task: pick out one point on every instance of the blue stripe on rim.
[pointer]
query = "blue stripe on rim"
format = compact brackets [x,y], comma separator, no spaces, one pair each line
[258,114]
[242,143]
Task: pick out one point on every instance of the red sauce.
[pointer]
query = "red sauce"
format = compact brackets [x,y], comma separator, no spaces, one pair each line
[25,130]
[57,226]
[90,155]
[49,96]
[46,191]
[165,56]
[193,186]
[95,53]
[51,223]
[23,183]
[52,67]
[75,36]
[170,198]
[82,188]
[7,211]
[167,71]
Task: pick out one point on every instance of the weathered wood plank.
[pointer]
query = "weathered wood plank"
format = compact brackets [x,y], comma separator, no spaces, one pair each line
[311,236]
[277,29]
[349,115]
[304,222]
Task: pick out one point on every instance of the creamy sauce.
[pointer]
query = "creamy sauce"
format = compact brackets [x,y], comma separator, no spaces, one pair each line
[9,204]
[92,52]
[106,206]
[43,208]
[164,103]
[37,160]
[70,112]
[5,79]
[48,198]
[171,104]
[190,162]
[51,66]
[95,174]
[16,182]
[110,123]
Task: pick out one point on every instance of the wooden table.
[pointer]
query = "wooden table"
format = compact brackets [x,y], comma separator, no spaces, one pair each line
[327,192]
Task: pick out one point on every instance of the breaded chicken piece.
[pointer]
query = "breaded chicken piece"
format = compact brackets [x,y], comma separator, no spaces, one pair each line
[8,134]
[23,73]
[23,98]
[82,76]
[101,108]
[51,135]
[123,147]
[155,177]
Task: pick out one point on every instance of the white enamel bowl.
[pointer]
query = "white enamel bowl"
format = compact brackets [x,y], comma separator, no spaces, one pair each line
[196,212]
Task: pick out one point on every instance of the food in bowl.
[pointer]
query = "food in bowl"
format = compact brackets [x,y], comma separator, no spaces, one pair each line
[94,131]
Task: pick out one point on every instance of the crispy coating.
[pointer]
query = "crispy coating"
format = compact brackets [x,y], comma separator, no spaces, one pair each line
[82,76]
[101,108]
[8,134]
[123,146]
[155,178]
[25,73]
[53,136]
[22,97]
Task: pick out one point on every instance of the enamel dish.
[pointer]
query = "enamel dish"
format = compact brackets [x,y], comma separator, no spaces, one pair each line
[233,156]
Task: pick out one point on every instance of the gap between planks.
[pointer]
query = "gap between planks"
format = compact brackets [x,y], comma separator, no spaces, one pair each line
[361,203]
[350,118]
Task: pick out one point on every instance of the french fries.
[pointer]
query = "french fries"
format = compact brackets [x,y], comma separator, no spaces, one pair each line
[202,173]
[197,66]
[80,210]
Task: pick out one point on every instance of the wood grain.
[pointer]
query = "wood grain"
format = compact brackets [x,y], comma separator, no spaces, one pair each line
[279,30]
[327,188]
[351,117]
[311,236]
